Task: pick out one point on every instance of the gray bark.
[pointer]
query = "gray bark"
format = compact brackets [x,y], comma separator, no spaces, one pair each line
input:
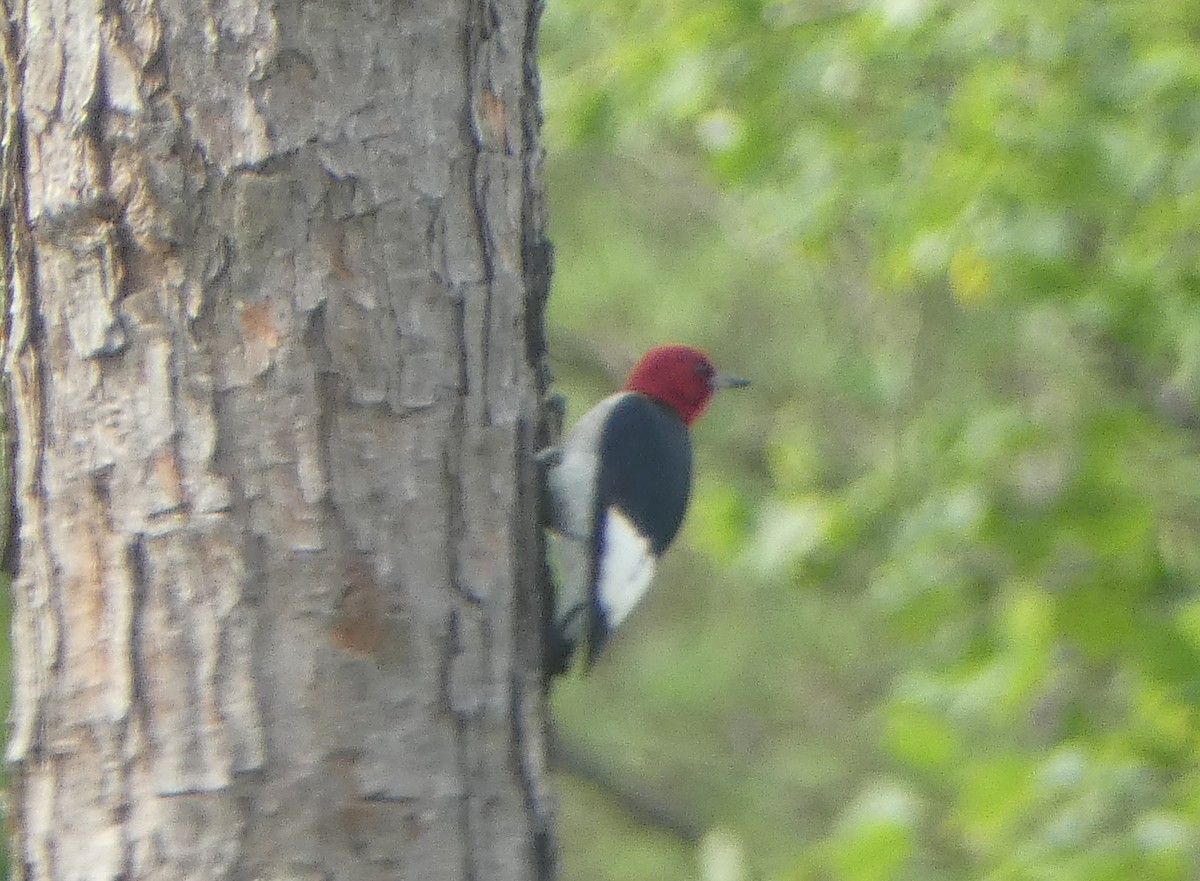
[274,274]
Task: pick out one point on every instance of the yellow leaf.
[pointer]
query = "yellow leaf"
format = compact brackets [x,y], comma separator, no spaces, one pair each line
[969,277]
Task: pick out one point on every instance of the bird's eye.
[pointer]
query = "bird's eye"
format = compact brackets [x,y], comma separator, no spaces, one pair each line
[705,369]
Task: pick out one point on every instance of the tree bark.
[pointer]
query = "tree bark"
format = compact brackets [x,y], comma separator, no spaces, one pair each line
[275,274]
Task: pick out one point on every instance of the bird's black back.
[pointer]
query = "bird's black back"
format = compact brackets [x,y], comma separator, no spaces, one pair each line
[646,468]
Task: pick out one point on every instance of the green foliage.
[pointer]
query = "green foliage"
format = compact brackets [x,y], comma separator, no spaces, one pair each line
[934,615]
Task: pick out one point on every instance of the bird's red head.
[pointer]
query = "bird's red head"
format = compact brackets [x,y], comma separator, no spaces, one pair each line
[681,377]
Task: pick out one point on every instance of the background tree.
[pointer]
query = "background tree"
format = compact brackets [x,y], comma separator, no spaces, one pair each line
[274,278]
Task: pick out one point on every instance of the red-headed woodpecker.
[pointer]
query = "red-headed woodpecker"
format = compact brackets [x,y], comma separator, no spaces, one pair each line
[618,490]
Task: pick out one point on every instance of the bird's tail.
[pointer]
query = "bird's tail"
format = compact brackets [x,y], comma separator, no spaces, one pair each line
[568,559]
[560,643]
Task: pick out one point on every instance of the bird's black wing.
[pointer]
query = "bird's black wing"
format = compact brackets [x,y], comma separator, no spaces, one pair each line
[645,481]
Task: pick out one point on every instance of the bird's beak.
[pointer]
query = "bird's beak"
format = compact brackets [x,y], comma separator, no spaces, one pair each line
[724,380]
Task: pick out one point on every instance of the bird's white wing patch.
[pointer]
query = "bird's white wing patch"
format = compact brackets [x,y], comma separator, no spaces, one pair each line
[626,569]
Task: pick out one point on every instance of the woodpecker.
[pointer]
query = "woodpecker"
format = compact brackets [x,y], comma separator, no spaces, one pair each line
[618,487]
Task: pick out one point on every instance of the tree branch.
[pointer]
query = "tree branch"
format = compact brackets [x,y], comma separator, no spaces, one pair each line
[649,810]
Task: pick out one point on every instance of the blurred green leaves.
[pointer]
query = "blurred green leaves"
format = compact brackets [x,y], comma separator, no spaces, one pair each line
[934,614]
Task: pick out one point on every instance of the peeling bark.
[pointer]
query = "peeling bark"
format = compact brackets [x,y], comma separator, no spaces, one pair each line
[275,277]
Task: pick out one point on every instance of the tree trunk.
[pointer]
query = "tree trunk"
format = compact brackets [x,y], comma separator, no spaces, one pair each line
[275,274]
